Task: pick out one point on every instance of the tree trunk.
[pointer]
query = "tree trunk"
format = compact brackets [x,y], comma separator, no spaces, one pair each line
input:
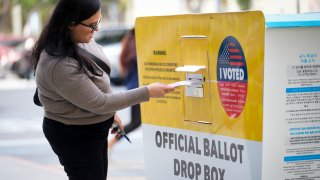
[5,16]
[244,4]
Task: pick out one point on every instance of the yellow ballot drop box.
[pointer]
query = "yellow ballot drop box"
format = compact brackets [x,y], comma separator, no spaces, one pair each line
[210,127]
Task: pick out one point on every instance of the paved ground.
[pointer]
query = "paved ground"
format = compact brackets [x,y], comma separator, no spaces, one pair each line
[25,153]
[125,163]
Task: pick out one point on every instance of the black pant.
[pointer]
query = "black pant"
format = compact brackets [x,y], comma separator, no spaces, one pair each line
[81,149]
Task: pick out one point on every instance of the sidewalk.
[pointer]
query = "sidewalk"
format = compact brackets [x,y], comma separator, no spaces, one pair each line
[12,168]
[17,169]
[25,153]
[125,163]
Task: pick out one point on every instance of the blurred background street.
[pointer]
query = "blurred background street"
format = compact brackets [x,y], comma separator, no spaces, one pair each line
[24,151]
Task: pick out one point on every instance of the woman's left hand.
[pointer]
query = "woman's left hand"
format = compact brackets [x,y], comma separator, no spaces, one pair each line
[118,120]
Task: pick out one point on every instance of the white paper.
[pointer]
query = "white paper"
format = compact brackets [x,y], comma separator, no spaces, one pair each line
[189,68]
[181,83]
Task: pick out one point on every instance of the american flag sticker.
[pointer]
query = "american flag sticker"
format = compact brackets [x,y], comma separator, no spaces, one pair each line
[232,54]
[232,76]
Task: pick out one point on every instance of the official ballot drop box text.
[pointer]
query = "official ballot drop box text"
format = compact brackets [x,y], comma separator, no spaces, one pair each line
[253,111]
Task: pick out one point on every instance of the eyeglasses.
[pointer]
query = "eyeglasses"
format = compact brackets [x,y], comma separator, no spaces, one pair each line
[93,27]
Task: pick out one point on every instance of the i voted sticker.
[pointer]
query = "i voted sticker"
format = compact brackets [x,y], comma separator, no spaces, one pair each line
[232,76]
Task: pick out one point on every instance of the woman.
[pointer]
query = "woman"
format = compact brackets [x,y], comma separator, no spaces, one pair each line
[79,106]
[129,69]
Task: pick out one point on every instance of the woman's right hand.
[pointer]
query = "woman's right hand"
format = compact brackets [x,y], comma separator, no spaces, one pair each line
[158,89]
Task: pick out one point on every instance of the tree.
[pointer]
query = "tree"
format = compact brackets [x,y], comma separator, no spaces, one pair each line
[194,6]
[5,14]
[44,8]
[121,8]
[244,4]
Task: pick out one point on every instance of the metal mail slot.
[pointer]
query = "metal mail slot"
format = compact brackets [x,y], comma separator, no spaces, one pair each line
[196,88]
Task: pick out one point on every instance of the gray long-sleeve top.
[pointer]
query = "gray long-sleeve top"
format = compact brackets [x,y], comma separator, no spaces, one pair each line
[77,97]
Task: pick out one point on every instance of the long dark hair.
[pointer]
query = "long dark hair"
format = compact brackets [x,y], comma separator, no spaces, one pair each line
[55,37]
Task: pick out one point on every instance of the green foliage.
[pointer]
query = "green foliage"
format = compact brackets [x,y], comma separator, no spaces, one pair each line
[25,4]
[244,4]
[44,7]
